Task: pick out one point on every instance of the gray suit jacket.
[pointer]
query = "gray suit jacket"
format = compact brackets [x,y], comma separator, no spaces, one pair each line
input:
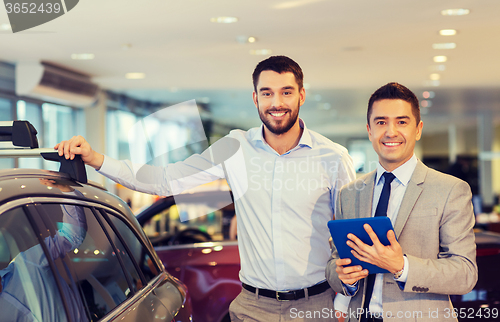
[435,229]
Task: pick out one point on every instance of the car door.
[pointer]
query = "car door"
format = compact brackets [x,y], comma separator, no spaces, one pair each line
[71,249]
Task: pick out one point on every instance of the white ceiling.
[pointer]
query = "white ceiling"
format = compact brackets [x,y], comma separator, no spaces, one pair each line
[347,49]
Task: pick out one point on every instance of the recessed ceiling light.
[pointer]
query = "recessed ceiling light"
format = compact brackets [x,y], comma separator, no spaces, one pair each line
[260,52]
[135,75]
[245,39]
[447,32]
[455,12]
[434,76]
[440,59]
[446,45]
[82,56]
[224,19]
[5,26]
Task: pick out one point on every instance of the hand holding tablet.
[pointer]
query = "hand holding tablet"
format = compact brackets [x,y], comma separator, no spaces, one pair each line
[339,230]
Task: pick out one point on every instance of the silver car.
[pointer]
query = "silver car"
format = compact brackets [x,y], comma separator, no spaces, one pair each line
[71,251]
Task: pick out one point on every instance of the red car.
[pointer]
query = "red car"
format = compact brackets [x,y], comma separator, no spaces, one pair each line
[196,253]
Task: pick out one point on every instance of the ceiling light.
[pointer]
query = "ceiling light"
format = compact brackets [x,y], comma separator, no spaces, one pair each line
[455,12]
[446,45]
[245,39]
[434,76]
[135,75]
[428,94]
[260,52]
[224,19]
[440,59]
[5,26]
[447,32]
[82,56]
[294,4]
[425,103]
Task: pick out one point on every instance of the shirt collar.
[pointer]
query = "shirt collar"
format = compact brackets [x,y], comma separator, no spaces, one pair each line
[305,139]
[403,173]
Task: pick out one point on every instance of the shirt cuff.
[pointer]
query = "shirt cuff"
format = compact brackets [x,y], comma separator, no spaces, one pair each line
[351,289]
[109,167]
[404,276]
[341,303]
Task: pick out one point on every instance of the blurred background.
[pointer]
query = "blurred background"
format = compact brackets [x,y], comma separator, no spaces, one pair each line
[105,65]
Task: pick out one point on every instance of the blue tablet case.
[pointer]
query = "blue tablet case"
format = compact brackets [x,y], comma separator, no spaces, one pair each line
[340,228]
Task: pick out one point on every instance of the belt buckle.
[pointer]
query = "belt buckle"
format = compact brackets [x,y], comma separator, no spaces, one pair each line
[278,296]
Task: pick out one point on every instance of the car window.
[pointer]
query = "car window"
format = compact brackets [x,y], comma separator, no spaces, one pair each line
[136,257]
[29,289]
[93,264]
[137,249]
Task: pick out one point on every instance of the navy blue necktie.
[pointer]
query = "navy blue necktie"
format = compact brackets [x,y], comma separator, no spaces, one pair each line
[381,210]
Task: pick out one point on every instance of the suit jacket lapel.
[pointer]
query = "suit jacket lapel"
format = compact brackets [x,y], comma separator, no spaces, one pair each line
[412,193]
[365,196]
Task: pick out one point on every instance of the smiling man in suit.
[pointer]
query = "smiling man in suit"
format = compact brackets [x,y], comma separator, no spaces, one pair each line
[432,252]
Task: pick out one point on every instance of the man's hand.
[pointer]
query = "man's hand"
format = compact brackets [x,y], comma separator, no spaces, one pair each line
[349,274]
[78,145]
[387,257]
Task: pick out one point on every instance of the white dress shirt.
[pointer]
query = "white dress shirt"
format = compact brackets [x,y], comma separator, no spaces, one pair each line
[398,188]
[282,202]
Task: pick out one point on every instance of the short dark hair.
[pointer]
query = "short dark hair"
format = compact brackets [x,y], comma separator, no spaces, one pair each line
[394,91]
[278,64]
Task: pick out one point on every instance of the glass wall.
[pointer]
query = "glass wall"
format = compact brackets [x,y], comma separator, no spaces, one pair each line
[31,112]
[6,115]
[60,123]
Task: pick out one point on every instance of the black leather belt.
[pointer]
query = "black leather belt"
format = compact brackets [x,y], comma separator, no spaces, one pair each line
[289,295]
[371,318]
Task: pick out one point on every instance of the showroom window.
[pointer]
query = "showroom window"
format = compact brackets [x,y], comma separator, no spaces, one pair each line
[33,113]
[6,115]
[60,123]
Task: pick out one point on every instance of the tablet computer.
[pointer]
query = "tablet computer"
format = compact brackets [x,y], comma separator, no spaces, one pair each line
[339,229]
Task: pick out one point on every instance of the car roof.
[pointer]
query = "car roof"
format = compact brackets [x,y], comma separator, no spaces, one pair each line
[25,183]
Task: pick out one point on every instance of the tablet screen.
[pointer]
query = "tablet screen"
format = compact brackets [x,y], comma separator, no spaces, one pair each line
[339,229]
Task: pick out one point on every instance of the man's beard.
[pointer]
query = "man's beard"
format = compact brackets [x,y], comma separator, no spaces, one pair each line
[283,126]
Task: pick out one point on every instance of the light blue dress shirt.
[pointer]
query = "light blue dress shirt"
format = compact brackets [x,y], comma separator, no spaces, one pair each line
[282,202]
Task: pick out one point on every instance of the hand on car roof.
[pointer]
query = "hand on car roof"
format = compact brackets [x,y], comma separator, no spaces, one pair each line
[78,145]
